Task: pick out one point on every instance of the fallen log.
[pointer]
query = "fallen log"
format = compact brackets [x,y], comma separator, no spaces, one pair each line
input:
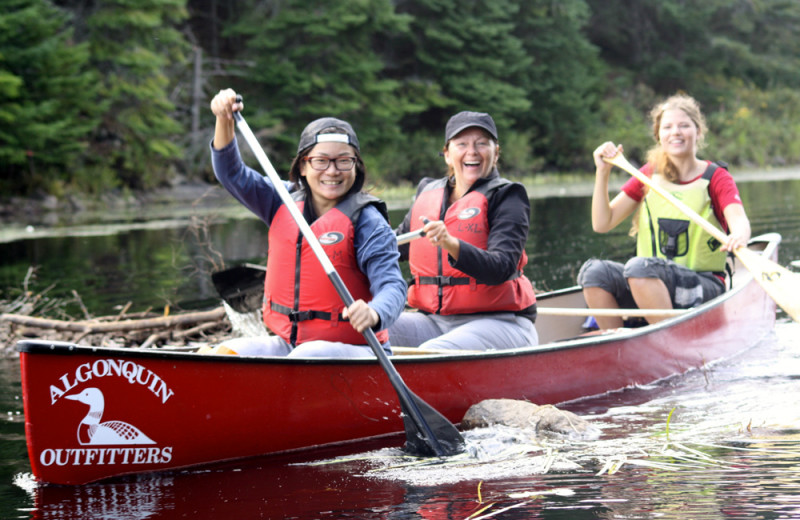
[98,327]
[170,334]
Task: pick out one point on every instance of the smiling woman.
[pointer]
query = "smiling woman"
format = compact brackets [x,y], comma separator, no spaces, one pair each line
[327,176]
[468,274]
[678,264]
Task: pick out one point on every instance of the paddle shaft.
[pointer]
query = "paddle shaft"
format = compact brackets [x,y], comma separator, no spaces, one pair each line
[407,401]
[405,238]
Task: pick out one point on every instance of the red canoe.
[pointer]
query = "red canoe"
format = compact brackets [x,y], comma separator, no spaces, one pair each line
[92,413]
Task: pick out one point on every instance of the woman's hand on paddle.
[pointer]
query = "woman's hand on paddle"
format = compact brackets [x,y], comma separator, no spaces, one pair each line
[361,315]
[607,150]
[223,106]
[437,233]
[739,226]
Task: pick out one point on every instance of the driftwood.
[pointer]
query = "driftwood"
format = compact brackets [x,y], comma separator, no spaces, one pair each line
[101,327]
[145,330]
[39,316]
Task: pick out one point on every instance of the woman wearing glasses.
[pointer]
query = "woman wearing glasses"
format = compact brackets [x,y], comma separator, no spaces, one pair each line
[301,306]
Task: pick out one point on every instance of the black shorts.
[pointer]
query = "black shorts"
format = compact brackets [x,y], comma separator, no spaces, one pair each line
[686,288]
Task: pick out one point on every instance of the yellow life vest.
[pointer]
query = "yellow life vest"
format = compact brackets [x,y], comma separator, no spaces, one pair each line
[666,232]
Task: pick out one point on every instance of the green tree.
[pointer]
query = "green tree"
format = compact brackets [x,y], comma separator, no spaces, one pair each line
[707,48]
[47,97]
[136,46]
[757,43]
[457,56]
[563,82]
[470,52]
[318,58]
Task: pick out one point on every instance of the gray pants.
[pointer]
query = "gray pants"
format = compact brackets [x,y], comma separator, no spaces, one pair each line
[490,331]
[276,346]
[686,288]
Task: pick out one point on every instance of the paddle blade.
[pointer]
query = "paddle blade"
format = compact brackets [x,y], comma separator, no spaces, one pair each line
[242,286]
[781,285]
[447,440]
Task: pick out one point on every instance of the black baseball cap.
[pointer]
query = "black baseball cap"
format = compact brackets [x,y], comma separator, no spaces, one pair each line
[311,133]
[464,120]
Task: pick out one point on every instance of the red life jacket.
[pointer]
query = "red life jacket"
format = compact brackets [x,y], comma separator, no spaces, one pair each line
[300,302]
[441,289]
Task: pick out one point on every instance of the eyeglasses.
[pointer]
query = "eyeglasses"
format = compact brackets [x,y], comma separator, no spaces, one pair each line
[321,163]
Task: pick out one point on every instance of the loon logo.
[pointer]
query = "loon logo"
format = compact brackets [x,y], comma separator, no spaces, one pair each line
[330,238]
[92,431]
[469,213]
[106,443]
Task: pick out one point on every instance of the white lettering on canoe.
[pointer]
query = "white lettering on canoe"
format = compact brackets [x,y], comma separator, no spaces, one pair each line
[134,373]
[101,456]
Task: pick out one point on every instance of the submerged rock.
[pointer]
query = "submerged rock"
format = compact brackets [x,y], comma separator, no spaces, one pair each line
[525,415]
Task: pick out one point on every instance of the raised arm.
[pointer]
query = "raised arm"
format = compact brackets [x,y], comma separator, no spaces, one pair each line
[606,213]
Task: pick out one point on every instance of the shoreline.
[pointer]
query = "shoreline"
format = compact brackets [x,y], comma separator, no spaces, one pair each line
[38,217]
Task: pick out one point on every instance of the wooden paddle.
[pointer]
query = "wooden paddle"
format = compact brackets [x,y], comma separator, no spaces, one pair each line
[427,431]
[782,285]
[242,286]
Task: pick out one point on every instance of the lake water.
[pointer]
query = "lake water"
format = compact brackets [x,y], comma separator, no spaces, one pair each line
[719,443]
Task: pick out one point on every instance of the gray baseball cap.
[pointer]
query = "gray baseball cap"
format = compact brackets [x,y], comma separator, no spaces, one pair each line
[464,120]
[311,133]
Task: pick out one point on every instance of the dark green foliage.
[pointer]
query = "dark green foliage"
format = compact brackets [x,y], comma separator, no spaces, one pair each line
[46,98]
[707,48]
[468,50]
[316,58]
[564,81]
[459,56]
[97,94]
[134,45]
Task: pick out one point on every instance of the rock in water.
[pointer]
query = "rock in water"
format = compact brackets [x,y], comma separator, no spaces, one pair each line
[525,415]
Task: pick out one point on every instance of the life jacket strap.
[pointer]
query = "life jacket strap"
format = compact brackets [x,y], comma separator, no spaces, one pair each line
[297,316]
[442,281]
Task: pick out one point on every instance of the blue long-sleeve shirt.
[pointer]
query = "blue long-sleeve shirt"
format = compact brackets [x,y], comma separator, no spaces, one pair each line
[375,242]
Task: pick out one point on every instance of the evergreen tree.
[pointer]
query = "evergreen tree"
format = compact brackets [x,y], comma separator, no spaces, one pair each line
[757,42]
[469,50]
[706,48]
[47,97]
[317,58]
[134,45]
[563,82]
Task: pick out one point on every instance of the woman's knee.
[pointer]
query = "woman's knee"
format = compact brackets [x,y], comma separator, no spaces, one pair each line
[602,274]
[588,272]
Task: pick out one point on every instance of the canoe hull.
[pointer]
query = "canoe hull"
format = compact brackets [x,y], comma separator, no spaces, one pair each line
[163,410]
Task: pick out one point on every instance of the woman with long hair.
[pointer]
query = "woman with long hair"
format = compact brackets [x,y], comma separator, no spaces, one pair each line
[677,263]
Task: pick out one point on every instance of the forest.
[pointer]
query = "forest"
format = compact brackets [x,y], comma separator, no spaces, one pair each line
[102,95]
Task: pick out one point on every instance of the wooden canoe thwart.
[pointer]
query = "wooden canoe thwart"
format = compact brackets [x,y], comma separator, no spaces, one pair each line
[95,413]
